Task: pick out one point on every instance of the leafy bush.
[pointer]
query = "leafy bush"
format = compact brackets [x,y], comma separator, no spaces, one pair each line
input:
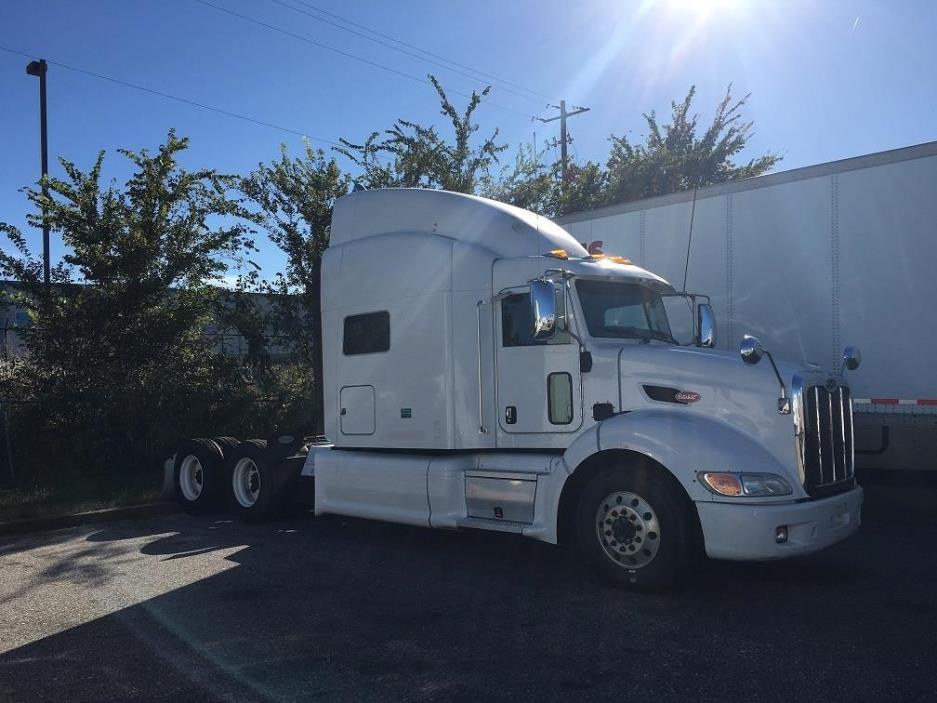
[118,368]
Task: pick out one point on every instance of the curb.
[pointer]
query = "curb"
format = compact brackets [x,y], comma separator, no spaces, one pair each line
[130,512]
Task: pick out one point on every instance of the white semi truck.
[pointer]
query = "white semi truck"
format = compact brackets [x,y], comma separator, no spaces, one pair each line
[805,258]
[482,369]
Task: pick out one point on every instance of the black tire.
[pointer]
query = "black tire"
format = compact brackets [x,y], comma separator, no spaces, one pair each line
[258,489]
[635,528]
[198,476]
[226,444]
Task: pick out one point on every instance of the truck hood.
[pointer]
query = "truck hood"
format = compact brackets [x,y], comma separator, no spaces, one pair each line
[714,374]
[666,364]
[715,383]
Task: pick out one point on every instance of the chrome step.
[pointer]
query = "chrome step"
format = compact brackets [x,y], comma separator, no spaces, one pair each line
[480,523]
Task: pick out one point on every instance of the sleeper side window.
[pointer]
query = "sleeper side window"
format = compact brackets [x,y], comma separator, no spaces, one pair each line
[366,334]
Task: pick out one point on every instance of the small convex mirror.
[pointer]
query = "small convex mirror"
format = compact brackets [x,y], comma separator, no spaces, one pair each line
[705,326]
[751,350]
[851,359]
[543,309]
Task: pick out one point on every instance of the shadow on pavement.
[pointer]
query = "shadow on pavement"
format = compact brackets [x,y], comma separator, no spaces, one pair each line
[341,609]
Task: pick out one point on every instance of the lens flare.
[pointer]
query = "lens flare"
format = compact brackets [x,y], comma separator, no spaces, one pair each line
[703,8]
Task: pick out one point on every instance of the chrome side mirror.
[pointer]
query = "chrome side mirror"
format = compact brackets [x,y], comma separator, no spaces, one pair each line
[705,326]
[751,350]
[851,359]
[543,309]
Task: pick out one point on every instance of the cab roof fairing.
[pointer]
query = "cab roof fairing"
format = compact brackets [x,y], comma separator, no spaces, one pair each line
[504,230]
[601,268]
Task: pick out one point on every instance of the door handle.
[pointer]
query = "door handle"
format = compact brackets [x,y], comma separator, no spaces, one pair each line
[510,415]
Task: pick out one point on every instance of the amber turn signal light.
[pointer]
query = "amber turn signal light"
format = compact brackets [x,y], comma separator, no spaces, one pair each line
[723,484]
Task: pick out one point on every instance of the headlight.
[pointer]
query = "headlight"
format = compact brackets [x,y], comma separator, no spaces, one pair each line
[745,485]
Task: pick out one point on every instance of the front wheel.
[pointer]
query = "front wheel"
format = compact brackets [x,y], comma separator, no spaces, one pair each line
[634,527]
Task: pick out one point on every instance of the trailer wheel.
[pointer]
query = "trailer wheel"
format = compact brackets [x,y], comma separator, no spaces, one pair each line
[226,444]
[258,481]
[635,529]
[198,475]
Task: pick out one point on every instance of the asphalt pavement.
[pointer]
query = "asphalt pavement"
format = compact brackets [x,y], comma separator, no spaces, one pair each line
[205,609]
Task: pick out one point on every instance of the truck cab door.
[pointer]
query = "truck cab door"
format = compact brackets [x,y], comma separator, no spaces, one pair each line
[538,381]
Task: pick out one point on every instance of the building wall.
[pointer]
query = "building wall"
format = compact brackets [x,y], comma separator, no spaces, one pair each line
[13,319]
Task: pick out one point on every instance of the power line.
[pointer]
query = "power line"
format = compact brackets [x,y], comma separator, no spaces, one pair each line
[347,54]
[424,51]
[423,55]
[170,96]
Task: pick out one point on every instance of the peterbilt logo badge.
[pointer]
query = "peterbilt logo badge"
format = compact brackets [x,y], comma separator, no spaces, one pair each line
[831,384]
[686,396]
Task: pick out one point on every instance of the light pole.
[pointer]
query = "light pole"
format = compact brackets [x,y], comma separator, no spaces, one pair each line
[39,68]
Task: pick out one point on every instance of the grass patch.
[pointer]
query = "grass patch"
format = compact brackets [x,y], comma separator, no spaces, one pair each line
[75,495]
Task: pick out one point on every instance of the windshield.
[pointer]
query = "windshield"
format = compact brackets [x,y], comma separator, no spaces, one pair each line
[623,310]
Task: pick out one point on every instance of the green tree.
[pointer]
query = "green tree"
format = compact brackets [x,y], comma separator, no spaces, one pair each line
[585,188]
[419,157]
[673,158]
[529,183]
[294,197]
[533,184]
[120,360]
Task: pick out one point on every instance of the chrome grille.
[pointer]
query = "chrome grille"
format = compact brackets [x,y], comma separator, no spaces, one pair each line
[827,440]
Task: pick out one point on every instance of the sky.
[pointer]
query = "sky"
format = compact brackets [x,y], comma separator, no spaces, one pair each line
[829,79]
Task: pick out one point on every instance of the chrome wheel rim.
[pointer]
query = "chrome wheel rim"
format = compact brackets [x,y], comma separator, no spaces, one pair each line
[246,482]
[628,529]
[191,478]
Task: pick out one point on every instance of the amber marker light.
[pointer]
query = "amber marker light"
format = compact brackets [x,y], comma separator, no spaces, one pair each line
[723,484]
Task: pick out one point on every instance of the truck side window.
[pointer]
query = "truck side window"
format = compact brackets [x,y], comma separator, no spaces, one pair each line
[560,398]
[366,334]
[517,326]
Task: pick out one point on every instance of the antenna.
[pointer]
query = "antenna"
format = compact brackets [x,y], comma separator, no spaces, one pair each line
[689,241]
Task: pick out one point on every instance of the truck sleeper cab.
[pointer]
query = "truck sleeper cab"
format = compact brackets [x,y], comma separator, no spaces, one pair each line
[482,369]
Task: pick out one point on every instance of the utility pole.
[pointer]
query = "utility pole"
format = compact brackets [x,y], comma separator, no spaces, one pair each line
[39,68]
[564,138]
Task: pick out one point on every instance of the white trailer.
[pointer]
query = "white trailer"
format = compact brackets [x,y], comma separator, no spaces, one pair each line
[805,259]
[481,369]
